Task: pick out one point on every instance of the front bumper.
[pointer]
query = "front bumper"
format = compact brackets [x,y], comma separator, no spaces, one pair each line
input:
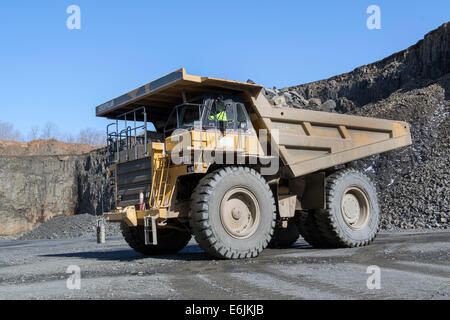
[130,216]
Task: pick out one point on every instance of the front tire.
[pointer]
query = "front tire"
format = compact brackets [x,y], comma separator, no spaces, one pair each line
[170,241]
[233,213]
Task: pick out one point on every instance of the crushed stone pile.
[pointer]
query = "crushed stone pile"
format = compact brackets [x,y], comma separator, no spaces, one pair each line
[70,227]
[413,182]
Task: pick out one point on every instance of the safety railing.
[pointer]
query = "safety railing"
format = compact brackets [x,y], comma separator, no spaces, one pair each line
[127,139]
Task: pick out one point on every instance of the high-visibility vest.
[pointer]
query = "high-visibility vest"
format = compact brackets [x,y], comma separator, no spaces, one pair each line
[221,116]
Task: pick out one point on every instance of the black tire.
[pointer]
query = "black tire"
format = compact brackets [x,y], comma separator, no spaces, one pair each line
[309,230]
[206,221]
[285,237]
[331,221]
[170,241]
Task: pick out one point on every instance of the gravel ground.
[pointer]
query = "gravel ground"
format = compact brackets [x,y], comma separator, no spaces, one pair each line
[83,226]
[414,265]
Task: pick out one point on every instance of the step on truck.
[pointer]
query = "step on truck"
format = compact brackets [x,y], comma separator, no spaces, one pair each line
[215,159]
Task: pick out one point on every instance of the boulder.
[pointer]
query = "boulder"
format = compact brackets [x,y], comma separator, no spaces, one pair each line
[315,102]
[328,106]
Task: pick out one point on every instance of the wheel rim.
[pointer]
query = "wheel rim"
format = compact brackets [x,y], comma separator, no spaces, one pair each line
[240,213]
[355,208]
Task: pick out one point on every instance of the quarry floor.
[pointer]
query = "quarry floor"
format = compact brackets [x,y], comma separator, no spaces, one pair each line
[413,265]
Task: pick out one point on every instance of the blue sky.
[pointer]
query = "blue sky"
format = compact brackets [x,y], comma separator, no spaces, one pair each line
[51,73]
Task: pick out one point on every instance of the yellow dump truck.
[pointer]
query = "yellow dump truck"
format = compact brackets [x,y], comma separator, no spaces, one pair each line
[216,159]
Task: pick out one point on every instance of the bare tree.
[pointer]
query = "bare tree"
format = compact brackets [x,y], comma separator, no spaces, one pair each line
[68,138]
[33,134]
[7,132]
[92,137]
[88,136]
[49,131]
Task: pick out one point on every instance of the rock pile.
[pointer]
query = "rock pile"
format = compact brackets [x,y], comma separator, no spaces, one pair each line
[412,86]
[78,226]
[292,98]
[414,182]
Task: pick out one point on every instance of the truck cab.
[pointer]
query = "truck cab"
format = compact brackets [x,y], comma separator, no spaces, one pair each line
[194,134]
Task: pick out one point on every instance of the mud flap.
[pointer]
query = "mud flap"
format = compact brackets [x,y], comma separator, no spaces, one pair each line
[313,197]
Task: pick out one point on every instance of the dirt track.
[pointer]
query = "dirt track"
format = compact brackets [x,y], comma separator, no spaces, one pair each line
[413,266]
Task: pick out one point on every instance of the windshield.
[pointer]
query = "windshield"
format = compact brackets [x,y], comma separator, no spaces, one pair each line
[187,115]
[184,116]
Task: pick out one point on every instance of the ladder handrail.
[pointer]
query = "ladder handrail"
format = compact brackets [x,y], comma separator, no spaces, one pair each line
[160,177]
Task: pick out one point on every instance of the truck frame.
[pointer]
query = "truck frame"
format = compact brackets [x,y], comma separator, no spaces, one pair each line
[223,163]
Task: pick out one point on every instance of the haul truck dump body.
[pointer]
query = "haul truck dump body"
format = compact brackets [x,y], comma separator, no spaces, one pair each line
[173,181]
[311,140]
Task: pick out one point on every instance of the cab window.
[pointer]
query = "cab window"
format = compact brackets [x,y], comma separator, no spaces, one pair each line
[187,115]
[221,115]
[242,122]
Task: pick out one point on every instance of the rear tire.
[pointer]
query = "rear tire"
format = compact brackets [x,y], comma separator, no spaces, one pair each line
[309,230]
[233,213]
[352,216]
[170,241]
[285,237]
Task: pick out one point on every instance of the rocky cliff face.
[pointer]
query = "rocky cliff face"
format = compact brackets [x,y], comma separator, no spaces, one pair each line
[94,194]
[34,189]
[43,147]
[427,60]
